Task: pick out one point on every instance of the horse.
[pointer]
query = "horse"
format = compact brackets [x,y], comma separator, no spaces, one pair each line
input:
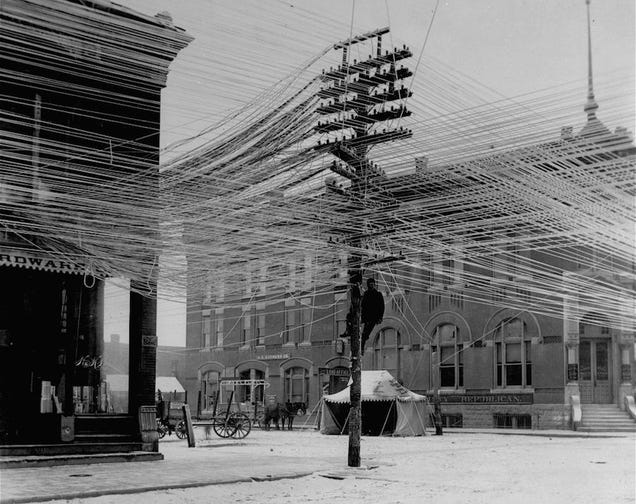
[283,413]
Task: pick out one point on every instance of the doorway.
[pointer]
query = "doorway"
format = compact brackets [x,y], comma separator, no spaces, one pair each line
[594,371]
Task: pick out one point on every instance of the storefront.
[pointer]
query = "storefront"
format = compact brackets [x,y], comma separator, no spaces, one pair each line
[57,354]
[64,124]
[51,346]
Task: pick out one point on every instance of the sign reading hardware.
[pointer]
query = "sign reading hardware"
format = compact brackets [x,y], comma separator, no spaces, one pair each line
[28,260]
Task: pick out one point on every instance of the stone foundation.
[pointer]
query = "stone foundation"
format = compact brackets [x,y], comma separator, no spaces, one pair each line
[543,416]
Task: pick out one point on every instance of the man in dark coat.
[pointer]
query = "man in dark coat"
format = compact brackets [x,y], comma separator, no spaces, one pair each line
[372,311]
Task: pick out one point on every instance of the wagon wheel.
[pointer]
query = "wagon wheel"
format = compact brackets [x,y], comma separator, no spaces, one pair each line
[161,429]
[180,430]
[223,428]
[242,425]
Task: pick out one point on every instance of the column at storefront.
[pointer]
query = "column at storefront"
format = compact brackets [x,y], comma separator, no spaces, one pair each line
[572,384]
[626,387]
[571,340]
[143,347]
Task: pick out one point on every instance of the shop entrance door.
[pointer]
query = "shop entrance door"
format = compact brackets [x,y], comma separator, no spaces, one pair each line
[594,367]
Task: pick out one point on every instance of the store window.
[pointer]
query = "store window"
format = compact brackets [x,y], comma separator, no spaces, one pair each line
[297,385]
[387,351]
[451,358]
[338,379]
[251,393]
[62,353]
[102,387]
[513,352]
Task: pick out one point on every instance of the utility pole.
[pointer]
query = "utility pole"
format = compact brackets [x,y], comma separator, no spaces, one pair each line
[356,97]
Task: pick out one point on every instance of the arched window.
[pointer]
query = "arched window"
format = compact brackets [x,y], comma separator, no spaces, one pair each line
[513,354]
[210,385]
[338,379]
[251,393]
[297,385]
[451,356]
[387,351]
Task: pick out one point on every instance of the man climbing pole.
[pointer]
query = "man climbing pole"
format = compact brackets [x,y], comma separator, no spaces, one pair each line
[372,311]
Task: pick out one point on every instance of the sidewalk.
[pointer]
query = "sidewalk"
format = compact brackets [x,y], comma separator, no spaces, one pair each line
[213,461]
[261,456]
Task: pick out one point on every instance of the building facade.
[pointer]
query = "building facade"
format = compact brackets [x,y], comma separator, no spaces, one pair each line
[70,136]
[478,335]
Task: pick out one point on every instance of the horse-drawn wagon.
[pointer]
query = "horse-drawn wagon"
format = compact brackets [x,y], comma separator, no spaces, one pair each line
[236,422]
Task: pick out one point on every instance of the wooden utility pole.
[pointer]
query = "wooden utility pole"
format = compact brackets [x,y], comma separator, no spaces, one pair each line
[356,97]
[355,390]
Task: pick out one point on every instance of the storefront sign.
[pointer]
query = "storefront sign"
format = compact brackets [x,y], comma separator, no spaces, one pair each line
[485,398]
[247,382]
[338,371]
[273,357]
[90,361]
[33,261]
[149,340]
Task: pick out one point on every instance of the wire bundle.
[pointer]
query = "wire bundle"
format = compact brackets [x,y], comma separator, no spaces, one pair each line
[487,198]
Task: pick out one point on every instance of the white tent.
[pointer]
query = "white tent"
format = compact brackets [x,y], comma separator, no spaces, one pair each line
[119,383]
[387,408]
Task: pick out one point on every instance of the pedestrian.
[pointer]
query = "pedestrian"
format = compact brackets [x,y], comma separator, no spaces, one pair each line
[372,311]
[437,414]
[160,405]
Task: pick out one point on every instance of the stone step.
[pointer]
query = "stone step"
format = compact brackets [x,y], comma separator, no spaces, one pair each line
[18,462]
[610,407]
[605,418]
[64,449]
[605,415]
[606,429]
[609,426]
[586,418]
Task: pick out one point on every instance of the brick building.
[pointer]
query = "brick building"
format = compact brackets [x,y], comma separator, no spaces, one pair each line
[73,76]
[499,355]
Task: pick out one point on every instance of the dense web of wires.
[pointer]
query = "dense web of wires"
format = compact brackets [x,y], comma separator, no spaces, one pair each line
[488,196]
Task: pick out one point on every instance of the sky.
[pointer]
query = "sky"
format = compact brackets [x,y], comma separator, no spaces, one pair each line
[509,47]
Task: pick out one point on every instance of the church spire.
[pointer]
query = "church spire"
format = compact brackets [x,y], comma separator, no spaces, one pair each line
[590,105]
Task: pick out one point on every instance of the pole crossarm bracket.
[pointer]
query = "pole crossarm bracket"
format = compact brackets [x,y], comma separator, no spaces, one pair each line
[361,38]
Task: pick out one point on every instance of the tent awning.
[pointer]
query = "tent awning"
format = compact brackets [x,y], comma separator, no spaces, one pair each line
[119,383]
[377,386]
[168,384]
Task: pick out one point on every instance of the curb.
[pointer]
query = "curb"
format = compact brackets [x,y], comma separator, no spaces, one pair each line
[142,489]
[565,434]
